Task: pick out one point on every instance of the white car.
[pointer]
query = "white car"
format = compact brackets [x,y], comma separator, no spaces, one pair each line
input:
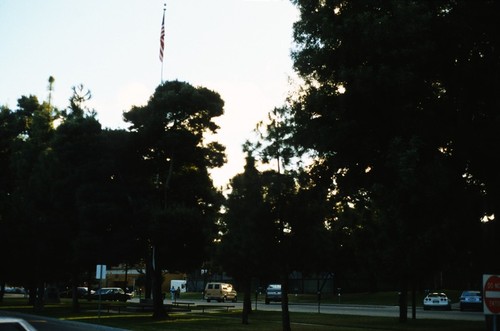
[13,323]
[437,301]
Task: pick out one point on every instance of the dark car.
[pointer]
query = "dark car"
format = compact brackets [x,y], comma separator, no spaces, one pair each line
[472,300]
[273,293]
[15,290]
[82,292]
[111,294]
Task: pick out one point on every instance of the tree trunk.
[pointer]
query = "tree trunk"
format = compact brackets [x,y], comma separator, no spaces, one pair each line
[31,294]
[40,293]
[247,301]
[285,313]
[413,301]
[75,305]
[403,304]
[159,311]
[2,290]
[89,282]
[74,294]
[148,277]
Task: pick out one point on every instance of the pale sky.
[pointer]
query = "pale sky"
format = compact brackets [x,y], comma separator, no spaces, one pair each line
[238,48]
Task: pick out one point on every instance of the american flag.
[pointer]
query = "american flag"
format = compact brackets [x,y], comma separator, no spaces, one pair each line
[162,36]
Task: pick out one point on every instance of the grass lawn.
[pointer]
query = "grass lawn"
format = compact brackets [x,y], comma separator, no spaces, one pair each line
[271,321]
[222,320]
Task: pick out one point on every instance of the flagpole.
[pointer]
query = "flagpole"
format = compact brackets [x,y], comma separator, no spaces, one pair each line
[162,47]
[162,40]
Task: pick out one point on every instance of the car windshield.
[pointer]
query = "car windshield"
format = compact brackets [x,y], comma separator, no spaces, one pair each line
[471,294]
[437,295]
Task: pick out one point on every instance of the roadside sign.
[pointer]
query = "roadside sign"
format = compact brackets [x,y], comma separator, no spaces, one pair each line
[491,294]
[100,272]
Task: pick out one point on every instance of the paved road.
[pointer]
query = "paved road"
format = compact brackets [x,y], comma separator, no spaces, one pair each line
[383,311]
[361,310]
[367,310]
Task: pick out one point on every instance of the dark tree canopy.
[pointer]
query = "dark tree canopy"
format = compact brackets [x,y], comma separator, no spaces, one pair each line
[64,203]
[170,133]
[180,205]
[399,106]
[247,247]
[75,195]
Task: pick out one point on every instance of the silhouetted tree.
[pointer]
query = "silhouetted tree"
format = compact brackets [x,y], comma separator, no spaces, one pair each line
[247,245]
[181,206]
[387,108]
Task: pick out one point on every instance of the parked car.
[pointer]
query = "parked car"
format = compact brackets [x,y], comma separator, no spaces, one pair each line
[82,292]
[111,294]
[471,300]
[14,290]
[220,292]
[14,323]
[437,301]
[273,293]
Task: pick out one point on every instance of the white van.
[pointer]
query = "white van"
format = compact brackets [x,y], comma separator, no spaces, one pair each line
[220,292]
